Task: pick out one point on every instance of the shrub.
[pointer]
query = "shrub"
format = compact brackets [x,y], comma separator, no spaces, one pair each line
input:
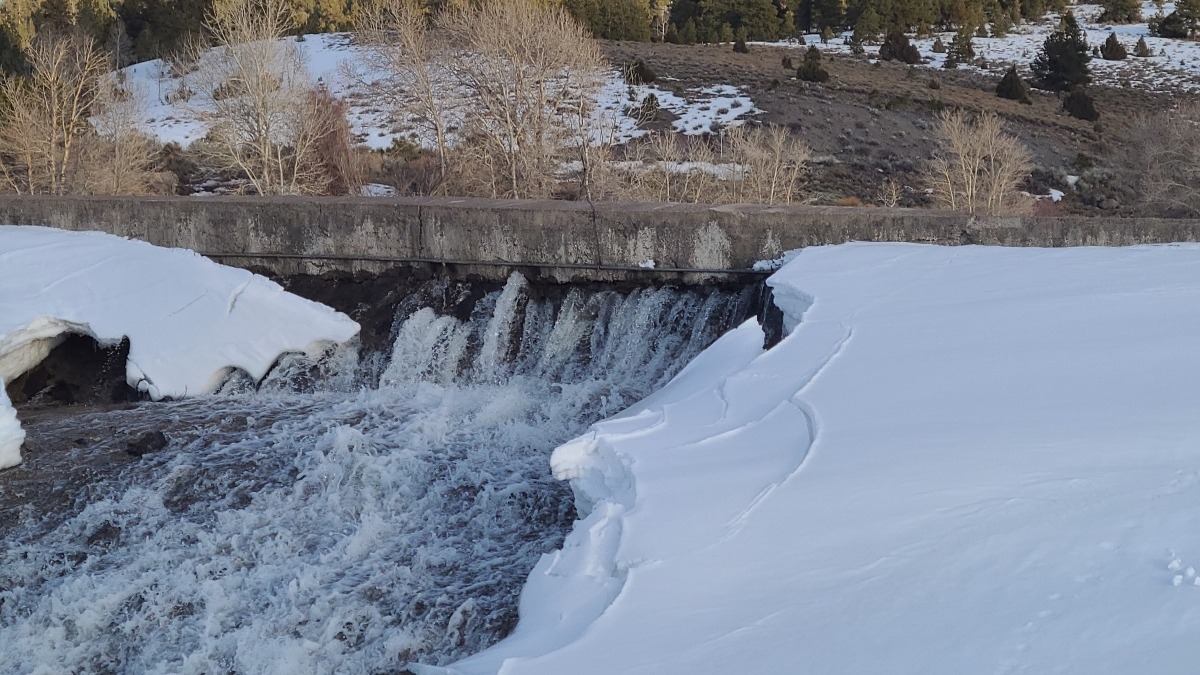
[639,72]
[1112,49]
[1078,104]
[1141,49]
[939,47]
[647,110]
[812,70]
[740,46]
[787,63]
[896,47]
[934,83]
[1013,88]
[1164,160]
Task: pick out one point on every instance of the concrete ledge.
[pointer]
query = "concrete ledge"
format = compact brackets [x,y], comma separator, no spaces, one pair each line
[557,240]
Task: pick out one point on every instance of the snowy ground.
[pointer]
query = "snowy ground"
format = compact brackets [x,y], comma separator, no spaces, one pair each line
[960,460]
[331,58]
[1174,67]
[189,320]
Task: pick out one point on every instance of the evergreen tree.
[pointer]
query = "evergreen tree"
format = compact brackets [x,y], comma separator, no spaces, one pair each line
[1013,88]
[1188,12]
[962,50]
[1141,49]
[939,47]
[1063,61]
[1121,11]
[812,70]
[868,26]
[896,47]
[1112,49]
[613,19]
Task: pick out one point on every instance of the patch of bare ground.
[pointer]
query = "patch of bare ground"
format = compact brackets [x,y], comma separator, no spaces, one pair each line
[872,123]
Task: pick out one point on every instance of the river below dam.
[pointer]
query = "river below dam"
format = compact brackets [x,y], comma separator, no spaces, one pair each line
[378,507]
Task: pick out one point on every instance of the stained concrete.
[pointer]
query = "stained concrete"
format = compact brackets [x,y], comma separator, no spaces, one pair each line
[552,240]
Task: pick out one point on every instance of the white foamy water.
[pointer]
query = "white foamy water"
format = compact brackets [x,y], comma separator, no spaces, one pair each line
[346,526]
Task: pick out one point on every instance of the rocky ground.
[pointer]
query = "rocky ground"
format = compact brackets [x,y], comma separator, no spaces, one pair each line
[871,123]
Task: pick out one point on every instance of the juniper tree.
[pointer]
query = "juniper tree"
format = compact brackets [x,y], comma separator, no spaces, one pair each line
[1112,49]
[1063,61]
[1013,88]
[896,47]
[812,70]
[1141,49]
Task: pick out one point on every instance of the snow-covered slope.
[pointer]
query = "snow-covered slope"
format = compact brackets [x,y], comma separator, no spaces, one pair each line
[1174,66]
[188,319]
[961,460]
[169,112]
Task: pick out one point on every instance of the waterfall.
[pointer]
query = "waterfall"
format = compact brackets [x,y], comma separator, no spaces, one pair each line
[347,515]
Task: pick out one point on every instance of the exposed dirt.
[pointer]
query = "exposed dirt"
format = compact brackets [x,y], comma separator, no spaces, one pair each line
[872,122]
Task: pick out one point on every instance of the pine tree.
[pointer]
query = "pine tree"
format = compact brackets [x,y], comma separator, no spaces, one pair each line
[961,48]
[866,29]
[1188,12]
[812,70]
[1013,88]
[1121,11]
[1141,49]
[1063,61]
[1112,49]
[939,47]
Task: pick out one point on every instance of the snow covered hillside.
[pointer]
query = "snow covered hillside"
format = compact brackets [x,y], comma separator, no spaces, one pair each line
[960,460]
[189,320]
[169,114]
[1174,67]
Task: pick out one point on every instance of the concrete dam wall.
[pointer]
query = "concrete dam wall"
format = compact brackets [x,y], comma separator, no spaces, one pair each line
[553,240]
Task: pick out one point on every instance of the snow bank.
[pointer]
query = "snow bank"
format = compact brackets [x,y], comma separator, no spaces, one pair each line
[188,319]
[960,460]
[11,434]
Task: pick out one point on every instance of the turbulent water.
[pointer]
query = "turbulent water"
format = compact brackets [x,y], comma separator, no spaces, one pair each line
[348,516]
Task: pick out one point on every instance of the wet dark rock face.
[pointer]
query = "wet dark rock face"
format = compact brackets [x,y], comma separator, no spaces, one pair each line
[77,372]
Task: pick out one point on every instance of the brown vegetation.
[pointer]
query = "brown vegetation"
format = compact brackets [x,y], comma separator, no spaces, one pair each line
[267,120]
[977,166]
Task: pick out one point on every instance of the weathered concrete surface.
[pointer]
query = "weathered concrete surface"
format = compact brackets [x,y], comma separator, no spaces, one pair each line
[551,239]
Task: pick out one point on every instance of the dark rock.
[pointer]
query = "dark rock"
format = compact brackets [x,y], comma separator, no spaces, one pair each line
[150,441]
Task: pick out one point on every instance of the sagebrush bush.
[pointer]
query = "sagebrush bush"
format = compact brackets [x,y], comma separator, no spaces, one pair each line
[1078,104]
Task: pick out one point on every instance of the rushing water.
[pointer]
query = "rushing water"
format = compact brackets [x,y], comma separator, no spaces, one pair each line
[347,516]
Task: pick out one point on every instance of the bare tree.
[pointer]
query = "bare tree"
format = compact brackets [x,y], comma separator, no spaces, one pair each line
[767,164]
[531,73]
[1164,160]
[977,165]
[404,60]
[44,116]
[764,165]
[118,158]
[255,93]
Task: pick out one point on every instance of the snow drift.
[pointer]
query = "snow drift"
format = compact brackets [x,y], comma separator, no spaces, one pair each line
[959,460]
[189,320]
